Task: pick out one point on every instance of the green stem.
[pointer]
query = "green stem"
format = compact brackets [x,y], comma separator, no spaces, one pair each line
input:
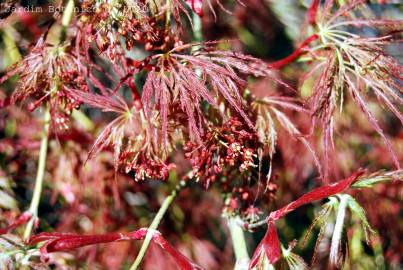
[239,244]
[154,225]
[36,197]
[68,13]
[66,19]
[33,208]
[168,15]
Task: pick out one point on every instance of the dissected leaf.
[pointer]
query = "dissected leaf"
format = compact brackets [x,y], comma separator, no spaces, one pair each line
[322,217]
[357,210]
[316,194]
[294,261]
[269,247]
[55,242]
[188,80]
[368,181]
[270,244]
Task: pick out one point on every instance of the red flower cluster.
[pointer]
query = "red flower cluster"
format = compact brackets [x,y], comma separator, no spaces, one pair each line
[224,147]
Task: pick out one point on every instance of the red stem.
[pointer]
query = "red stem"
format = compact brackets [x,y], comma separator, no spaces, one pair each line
[136,95]
[291,58]
[312,11]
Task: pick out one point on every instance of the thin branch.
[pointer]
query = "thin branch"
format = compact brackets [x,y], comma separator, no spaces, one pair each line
[33,208]
[154,225]
[252,226]
[66,19]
